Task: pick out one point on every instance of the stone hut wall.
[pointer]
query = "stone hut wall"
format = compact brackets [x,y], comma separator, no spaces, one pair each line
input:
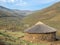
[40,37]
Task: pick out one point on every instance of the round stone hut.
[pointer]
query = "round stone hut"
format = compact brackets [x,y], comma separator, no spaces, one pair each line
[40,32]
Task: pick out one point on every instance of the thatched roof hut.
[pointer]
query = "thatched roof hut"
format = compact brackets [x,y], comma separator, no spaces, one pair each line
[40,32]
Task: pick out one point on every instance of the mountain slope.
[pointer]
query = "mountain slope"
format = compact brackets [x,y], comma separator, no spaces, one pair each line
[49,15]
[9,19]
[5,12]
[22,12]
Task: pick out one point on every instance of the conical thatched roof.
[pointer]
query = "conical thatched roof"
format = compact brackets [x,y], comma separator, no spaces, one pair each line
[40,28]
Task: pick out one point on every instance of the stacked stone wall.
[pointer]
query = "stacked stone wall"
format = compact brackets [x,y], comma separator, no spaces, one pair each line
[40,37]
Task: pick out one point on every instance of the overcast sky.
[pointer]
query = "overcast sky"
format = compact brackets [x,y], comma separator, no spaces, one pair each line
[27,4]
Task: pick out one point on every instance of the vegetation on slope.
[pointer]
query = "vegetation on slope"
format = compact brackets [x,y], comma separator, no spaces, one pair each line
[49,16]
[10,19]
[13,38]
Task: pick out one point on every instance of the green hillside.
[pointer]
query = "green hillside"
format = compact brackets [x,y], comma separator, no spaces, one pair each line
[49,16]
[10,19]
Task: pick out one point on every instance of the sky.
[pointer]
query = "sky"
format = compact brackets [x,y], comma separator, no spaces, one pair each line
[27,4]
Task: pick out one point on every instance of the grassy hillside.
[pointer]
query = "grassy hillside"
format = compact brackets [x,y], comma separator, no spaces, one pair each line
[10,19]
[15,38]
[49,16]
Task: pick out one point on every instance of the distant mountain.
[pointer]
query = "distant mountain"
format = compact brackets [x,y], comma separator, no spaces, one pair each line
[10,19]
[5,12]
[23,12]
[10,12]
[49,15]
